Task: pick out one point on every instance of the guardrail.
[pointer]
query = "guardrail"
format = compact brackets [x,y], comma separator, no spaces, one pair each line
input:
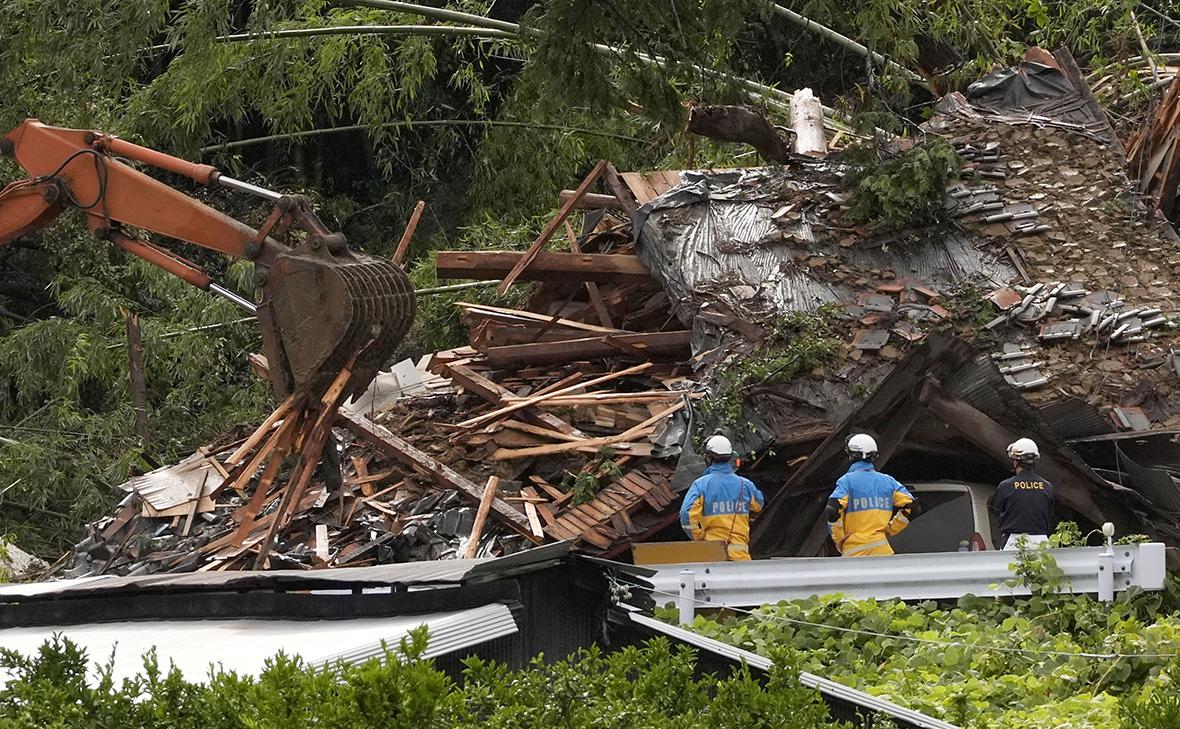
[1099,570]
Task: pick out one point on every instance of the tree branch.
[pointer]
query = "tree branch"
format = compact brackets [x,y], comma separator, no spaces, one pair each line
[739,124]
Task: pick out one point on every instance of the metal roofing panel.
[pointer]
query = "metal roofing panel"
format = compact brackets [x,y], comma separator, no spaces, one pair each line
[716,232]
[194,646]
[450,571]
[436,572]
[825,686]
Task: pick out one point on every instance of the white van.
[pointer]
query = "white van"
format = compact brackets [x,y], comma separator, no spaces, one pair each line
[954,516]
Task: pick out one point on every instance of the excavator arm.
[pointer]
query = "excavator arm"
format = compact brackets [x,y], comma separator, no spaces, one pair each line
[321,303]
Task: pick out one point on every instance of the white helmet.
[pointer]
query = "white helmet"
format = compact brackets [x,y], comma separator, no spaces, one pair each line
[1024,450]
[861,446]
[719,445]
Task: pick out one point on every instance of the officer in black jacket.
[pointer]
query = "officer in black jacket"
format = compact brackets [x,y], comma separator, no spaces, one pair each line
[1024,503]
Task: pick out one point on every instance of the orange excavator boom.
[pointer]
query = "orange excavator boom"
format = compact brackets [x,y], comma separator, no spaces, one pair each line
[321,303]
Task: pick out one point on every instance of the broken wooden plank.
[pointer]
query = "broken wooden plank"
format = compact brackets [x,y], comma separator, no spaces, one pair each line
[541,398]
[493,393]
[261,431]
[520,315]
[644,428]
[669,345]
[591,288]
[537,430]
[403,245]
[481,516]
[398,449]
[592,201]
[530,510]
[551,228]
[546,266]
[620,189]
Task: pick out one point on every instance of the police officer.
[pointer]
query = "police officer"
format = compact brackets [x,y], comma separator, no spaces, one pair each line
[1025,502]
[718,505]
[867,507]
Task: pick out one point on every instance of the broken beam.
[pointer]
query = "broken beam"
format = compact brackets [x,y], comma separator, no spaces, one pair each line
[593,201]
[652,345]
[401,451]
[546,266]
[529,255]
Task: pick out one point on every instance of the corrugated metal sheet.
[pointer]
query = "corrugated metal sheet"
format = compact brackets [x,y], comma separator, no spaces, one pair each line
[409,574]
[448,632]
[245,645]
[715,232]
[1073,417]
[828,688]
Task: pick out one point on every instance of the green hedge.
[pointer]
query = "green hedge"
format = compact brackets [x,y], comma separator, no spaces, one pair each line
[981,663]
[650,687]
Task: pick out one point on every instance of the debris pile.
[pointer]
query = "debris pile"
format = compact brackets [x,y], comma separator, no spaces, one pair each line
[1042,299]
[547,427]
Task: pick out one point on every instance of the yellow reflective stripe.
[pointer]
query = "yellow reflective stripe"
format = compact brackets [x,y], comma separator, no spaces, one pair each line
[865,547]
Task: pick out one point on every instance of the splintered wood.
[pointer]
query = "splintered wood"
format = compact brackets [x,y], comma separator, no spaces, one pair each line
[560,421]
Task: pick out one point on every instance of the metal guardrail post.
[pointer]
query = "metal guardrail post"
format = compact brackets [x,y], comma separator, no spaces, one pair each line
[1106,576]
[687,599]
[1106,566]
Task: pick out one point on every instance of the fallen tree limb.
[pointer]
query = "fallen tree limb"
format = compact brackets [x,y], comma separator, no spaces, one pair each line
[739,124]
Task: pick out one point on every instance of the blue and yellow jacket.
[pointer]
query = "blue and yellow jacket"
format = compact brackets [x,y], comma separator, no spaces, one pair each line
[717,507]
[870,504]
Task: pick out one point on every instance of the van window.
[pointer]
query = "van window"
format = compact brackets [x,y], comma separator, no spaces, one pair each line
[946,520]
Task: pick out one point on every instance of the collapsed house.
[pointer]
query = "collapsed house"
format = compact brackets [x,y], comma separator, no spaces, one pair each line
[1038,304]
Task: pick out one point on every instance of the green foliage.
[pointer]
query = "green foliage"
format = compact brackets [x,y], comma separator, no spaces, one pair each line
[794,345]
[1037,569]
[692,42]
[652,687]
[1156,705]
[595,475]
[904,191]
[64,394]
[986,663]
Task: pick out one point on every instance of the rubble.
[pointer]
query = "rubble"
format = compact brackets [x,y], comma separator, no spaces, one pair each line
[1041,303]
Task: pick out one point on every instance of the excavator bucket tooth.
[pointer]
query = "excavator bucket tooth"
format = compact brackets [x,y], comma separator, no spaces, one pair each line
[326,309]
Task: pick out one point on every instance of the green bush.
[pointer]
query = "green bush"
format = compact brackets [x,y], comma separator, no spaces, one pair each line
[650,687]
[985,663]
[904,191]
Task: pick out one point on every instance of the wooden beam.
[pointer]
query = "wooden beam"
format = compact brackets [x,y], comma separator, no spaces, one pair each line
[404,244]
[591,287]
[541,398]
[551,228]
[653,345]
[493,393]
[520,316]
[444,475]
[619,188]
[643,429]
[546,266]
[481,516]
[1072,488]
[592,201]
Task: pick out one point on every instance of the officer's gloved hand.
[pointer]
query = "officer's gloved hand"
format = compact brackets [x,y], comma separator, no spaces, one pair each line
[912,510]
[833,510]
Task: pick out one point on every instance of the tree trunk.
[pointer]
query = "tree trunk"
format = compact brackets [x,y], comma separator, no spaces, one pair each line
[139,398]
[739,124]
[807,119]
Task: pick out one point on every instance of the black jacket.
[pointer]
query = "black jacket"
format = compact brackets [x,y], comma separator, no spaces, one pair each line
[1024,504]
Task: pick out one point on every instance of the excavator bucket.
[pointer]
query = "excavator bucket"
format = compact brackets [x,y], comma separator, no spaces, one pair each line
[327,307]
